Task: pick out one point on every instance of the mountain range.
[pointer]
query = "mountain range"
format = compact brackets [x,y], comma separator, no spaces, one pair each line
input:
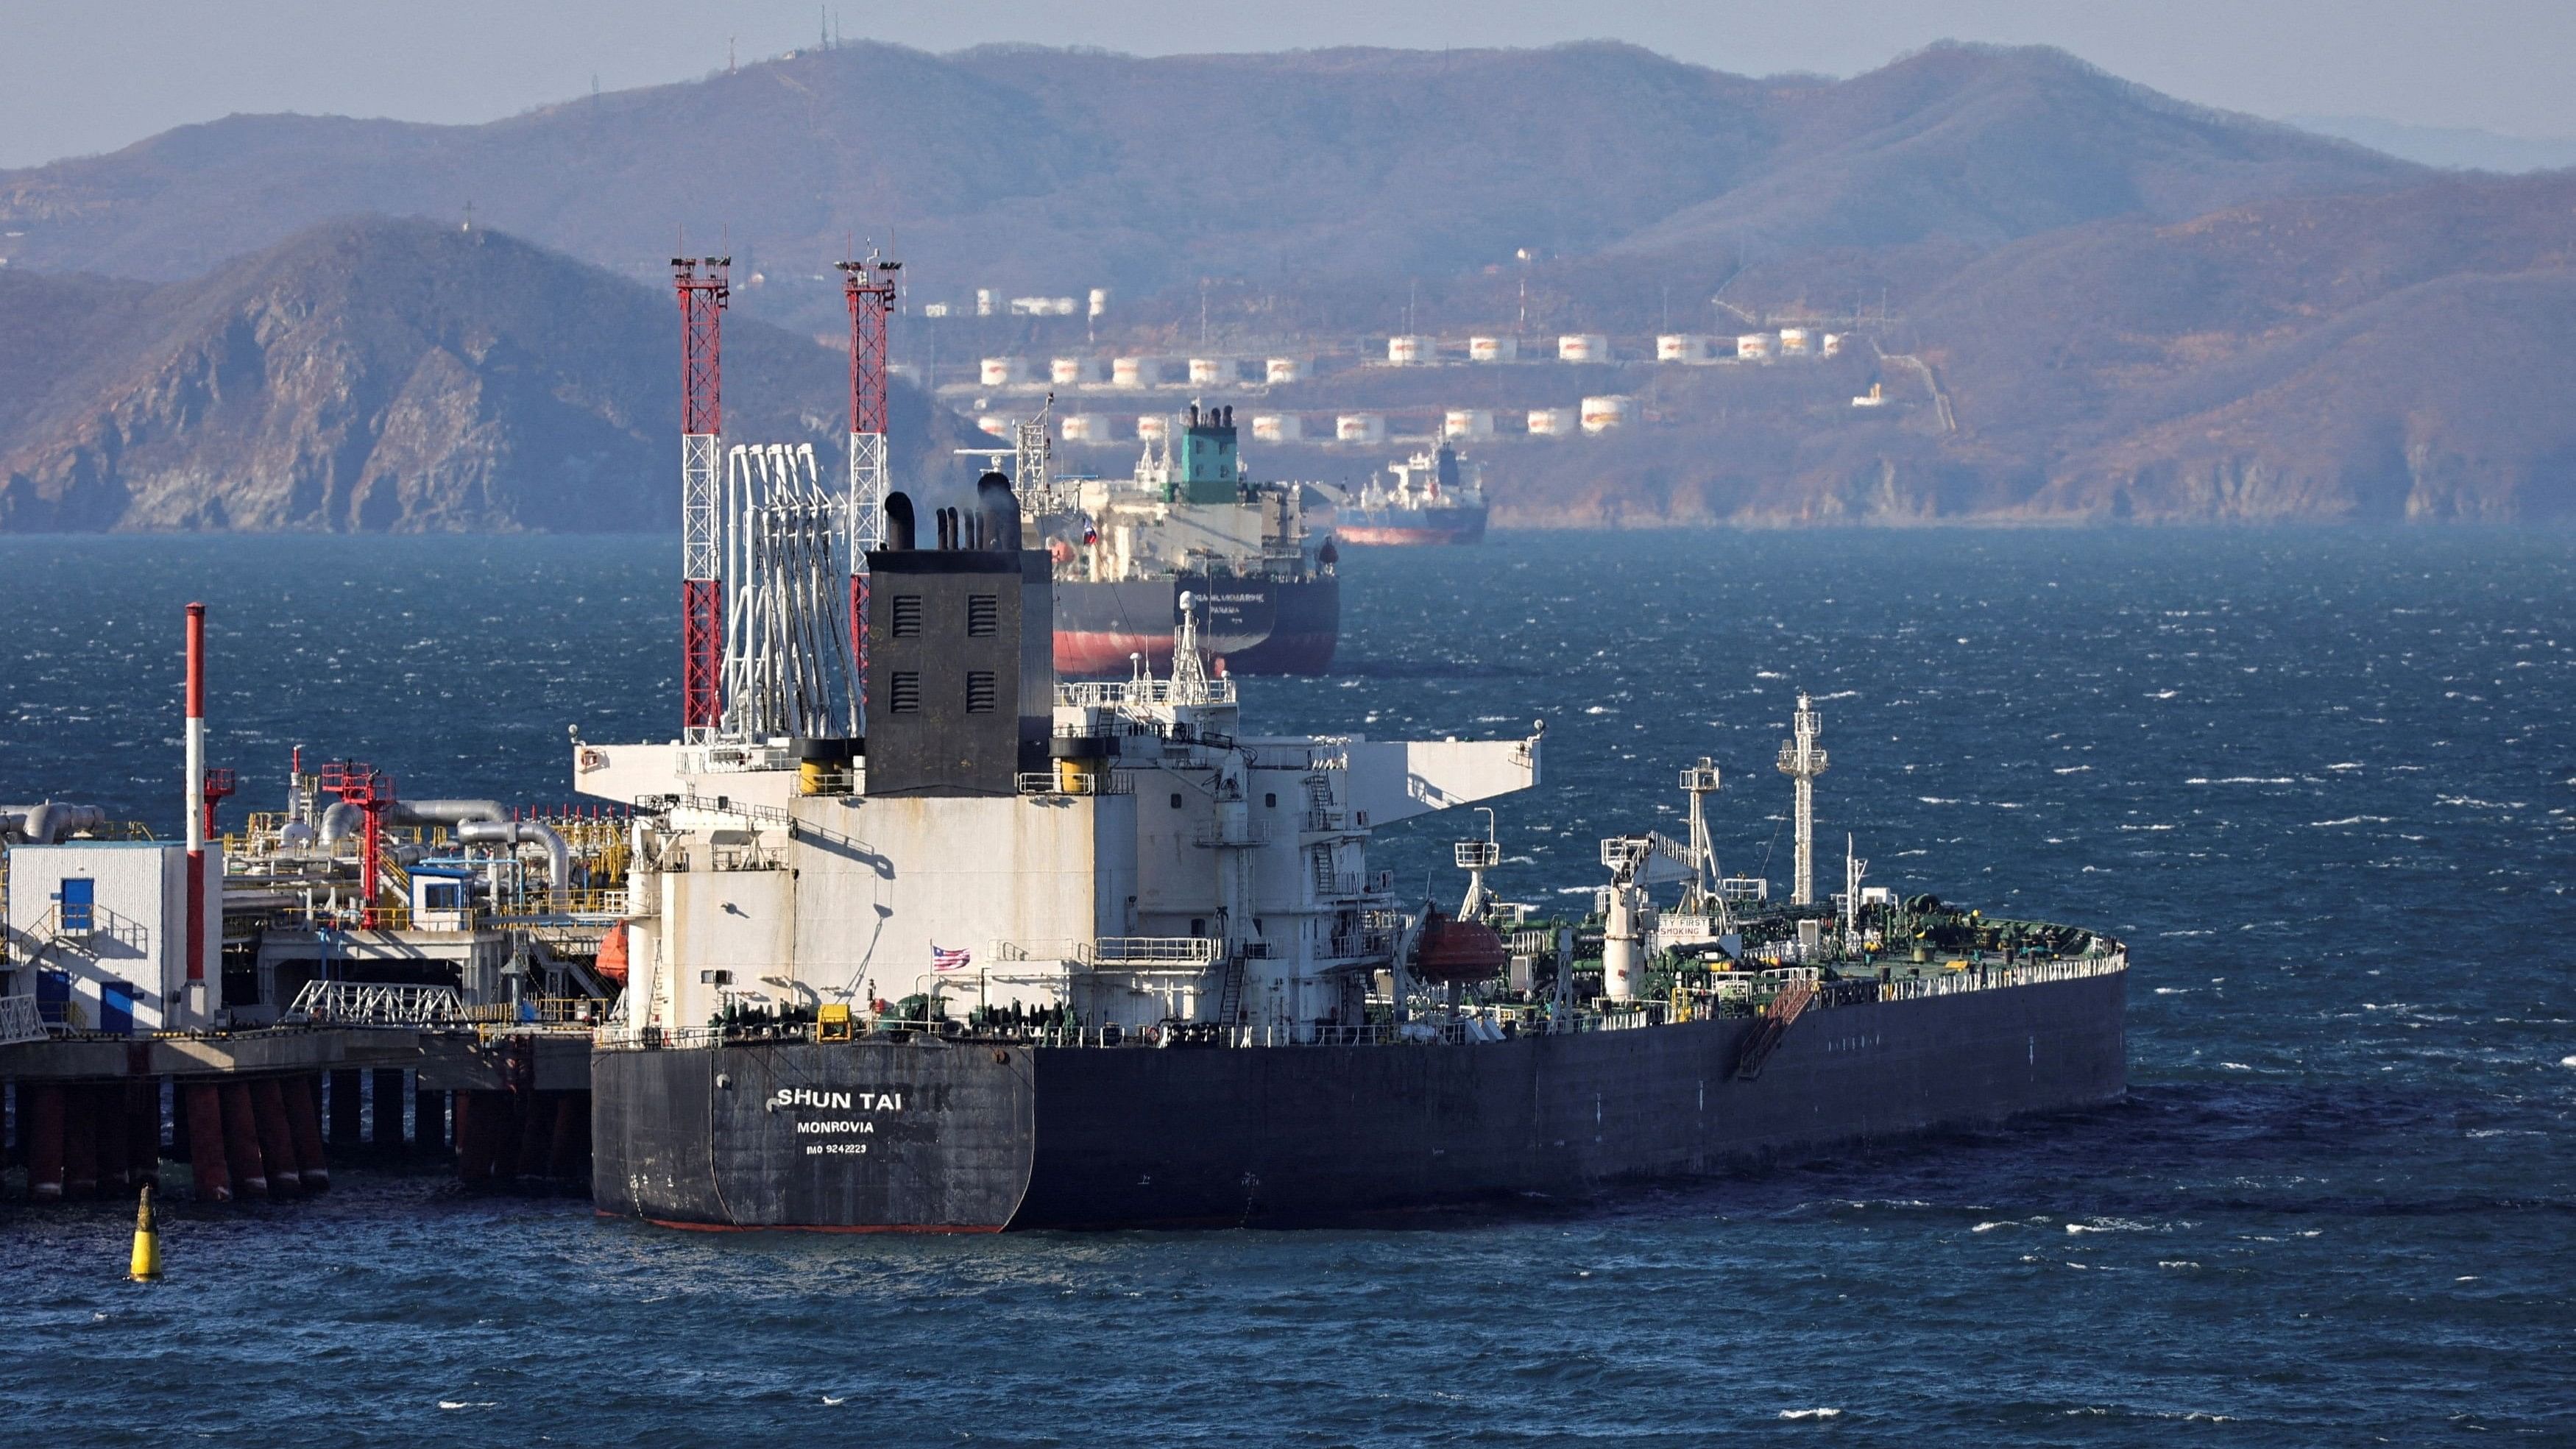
[2084,301]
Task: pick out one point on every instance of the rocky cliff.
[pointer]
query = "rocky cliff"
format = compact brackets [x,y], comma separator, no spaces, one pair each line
[385,375]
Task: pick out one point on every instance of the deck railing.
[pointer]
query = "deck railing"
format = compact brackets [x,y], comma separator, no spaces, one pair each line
[1482,1025]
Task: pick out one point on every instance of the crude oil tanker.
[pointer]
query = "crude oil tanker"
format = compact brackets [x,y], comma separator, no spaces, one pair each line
[1041,953]
[1190,521]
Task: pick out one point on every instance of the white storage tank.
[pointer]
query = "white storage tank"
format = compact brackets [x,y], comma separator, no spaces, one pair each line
[1212,372]
[1795,341]
[1684,347]
[1493,349]
[1087,428]
[1753,347]
[1284,369]
[1407,351]
[1073,371]
[1551,422]
[1601,414]
[1004,371]
[983,301]
[998,424]
[1468,423]
[1099,300]
[1153,428]
[1136,372]
[1833,344]
[1277,427]
[1360,428]
[1583,347]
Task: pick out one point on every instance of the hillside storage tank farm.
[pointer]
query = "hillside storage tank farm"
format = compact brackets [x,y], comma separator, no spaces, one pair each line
[1073,371]
[1277,427]
[1493,349]
[1583,347]
[1468,423]
[1407,351]
[1360,428]
[1087,428]
[1684,347]
[1551,422]
[1753,347]
[1212,372]
[1283,369]
[1153,428]
[1136,372]
[1795,341]
[1005,371]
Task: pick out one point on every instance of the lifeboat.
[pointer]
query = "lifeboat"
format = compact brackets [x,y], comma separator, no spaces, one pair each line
[1452,950]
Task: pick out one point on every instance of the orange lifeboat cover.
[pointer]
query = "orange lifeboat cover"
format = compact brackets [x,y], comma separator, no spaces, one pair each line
[612,954]
[1455,950]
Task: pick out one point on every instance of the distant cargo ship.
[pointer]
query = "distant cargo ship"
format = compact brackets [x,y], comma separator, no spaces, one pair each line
[1435,499]
[1190,521]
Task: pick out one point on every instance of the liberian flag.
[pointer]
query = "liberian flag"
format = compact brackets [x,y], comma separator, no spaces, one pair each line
[948,960]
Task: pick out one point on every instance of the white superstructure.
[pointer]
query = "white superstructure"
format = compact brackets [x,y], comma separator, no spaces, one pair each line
[1171,868]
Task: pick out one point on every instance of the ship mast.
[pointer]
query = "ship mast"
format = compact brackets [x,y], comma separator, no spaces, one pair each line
[1802,761]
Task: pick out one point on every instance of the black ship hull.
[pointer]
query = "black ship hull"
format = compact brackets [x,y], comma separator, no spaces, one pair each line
[1257,626]
[982,1136]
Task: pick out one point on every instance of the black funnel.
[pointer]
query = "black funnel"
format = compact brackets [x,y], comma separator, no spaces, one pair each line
[1001,510]
[900,536]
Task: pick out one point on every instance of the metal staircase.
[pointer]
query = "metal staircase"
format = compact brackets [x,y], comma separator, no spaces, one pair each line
[1776,1019]
[1229,997]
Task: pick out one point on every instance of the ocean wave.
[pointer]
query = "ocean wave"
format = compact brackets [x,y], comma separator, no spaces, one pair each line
[1811,1413]
[2350,820]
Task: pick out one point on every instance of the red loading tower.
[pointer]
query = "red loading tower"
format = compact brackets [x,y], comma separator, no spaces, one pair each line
[372,791]
[704,288]
[869,287]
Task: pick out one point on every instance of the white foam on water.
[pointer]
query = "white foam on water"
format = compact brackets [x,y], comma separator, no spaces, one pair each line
[2176,1263]
[2567,1061]
[461,1404]
[2236,1066]
[1935,800]
[2070,769]
[1811,1413]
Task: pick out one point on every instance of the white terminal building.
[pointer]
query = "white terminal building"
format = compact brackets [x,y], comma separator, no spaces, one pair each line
[98,933]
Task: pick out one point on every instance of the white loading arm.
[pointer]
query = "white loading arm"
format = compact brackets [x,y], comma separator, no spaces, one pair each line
[1399,779]
[1653,858]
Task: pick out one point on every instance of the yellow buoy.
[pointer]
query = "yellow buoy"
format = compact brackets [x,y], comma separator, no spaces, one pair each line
[147,1242]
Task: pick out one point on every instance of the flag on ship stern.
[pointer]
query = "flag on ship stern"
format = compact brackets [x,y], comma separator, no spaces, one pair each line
[948,960]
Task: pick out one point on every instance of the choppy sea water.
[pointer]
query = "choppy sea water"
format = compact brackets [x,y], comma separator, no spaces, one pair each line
[2320,781]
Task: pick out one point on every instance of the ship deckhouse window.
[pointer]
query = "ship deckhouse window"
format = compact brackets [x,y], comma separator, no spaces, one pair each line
[983,616]
[1176,799]
[979,691]
[1270,801]
[905,692]
[907,615]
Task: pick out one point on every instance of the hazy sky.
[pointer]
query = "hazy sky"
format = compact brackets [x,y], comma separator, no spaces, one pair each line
[78,76]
